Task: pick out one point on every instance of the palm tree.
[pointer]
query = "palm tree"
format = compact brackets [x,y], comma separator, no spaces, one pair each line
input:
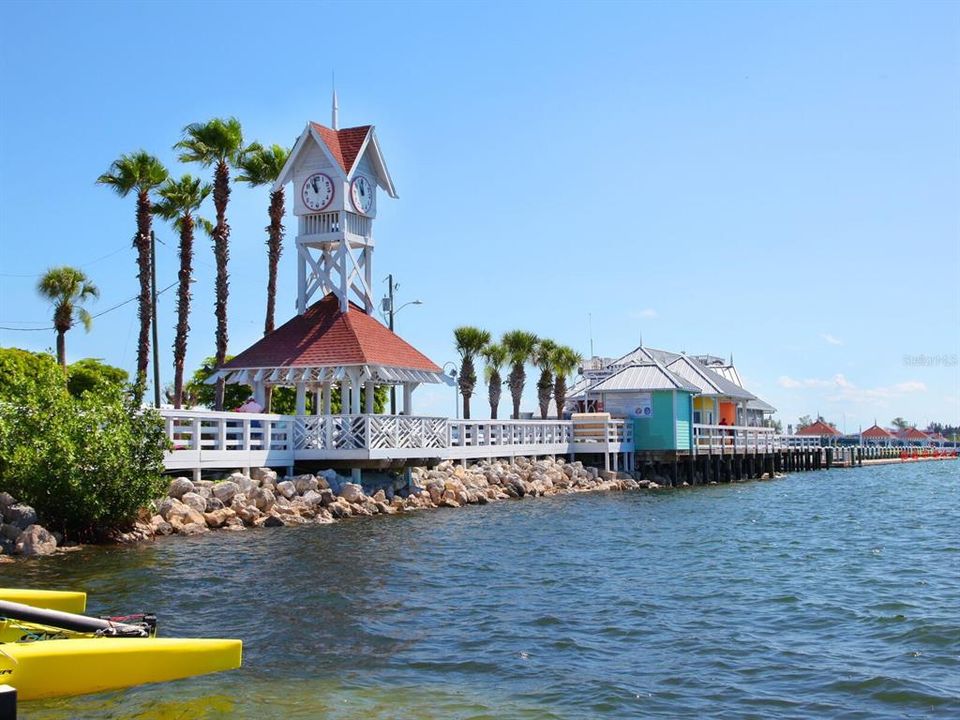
[495,356]
[262,166]
[179,200]
[67,288]
[543,358]
[470,341]
[565,361]
[519,345]
[139,172]
[219,143]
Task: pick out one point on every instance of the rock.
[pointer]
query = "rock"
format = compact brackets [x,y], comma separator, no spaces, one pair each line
[608,475]
[21,515]
[179,487]
[352,493]
[194,500]
[168,506]
[264,475]
[379,496]
[192,528]
[219,518]
[247,485]
[272,521]
[287,488]
[35,540]
[6,500]
[247,514]
[263,499]
[305,483]
[159,526]
[385,509]
[448,502]
[10,532]
[327,497]
[225,491]
[312,498]
[213,504]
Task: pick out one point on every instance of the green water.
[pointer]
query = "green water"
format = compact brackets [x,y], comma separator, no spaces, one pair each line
[831,594]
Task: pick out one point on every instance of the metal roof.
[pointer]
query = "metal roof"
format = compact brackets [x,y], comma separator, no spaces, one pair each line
[644,376]
[643,354]
[707,381]
[760,405]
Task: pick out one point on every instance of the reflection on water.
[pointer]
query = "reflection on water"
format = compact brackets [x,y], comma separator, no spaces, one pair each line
[824,594]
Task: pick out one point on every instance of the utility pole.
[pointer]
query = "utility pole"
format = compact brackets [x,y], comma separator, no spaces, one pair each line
[393,388]
[153,313]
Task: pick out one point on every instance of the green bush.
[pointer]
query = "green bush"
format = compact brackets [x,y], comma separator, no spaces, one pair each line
[91,374]
[86,464]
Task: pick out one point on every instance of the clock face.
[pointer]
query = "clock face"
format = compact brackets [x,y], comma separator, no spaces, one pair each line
[317,191]
[361,190]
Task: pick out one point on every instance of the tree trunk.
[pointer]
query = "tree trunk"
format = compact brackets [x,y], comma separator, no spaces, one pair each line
[493,393]
[183,306]
[468,382]
[517,378]
[144,311]
[62,348]
[560,394]
[221,251]
[544,390]
[274,248]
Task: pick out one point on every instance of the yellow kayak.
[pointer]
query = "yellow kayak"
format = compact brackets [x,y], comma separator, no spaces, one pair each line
[57,668]
[63,600]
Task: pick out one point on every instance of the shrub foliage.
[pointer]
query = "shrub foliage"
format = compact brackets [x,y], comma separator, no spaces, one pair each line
[87,464]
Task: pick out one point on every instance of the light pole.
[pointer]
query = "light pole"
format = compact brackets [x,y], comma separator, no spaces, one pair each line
[456,388]
[387,307]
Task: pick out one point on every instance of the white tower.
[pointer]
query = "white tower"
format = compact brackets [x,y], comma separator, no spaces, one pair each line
[335,175]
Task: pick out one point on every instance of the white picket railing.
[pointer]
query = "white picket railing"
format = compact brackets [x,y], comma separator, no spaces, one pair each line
[735,439]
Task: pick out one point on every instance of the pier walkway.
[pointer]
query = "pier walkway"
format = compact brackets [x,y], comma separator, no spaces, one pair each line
[206,440]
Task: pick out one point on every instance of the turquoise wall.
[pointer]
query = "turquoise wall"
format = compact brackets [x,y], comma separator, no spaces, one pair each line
[669,428]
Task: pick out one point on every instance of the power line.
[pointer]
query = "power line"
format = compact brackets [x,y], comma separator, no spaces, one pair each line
[99,314]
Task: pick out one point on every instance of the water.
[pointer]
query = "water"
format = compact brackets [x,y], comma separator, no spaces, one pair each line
[832,594]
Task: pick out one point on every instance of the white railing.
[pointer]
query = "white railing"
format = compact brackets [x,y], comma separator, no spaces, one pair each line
[369,432]
[734,439]
[203,430]
[320,223]
[358,225]
[491,433]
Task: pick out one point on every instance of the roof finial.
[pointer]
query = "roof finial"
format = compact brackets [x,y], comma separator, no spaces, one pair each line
[335,119]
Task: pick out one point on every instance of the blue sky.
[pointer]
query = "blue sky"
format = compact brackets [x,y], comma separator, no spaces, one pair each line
[777,180]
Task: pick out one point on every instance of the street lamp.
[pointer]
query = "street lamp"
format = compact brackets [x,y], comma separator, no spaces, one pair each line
[456,388]
[387,307]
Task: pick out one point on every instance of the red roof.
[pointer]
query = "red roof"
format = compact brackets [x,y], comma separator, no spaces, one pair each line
[344,144]
[912,434]
[819,428]
[325,337]
[877,432]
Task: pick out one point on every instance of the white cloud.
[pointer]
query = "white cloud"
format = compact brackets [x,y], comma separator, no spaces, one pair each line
[830,339]
[645,314]
[844,390]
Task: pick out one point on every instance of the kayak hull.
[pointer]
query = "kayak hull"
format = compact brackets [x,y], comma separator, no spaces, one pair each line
[59,668]
[62,600]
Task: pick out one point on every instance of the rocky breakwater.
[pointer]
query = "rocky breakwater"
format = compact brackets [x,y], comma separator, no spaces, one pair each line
[21,532]
[262,499]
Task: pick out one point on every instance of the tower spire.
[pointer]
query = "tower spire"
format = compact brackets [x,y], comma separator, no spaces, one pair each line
[335,110]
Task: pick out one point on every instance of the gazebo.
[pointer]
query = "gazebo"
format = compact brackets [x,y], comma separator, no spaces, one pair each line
[324,347]
[877,435]
[821,429]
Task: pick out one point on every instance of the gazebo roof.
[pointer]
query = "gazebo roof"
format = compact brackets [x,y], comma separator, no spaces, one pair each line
[819,428]
[877,432]
[912,434]
[323,342]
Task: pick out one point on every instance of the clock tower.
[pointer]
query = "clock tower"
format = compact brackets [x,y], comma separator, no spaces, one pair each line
[336,174]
